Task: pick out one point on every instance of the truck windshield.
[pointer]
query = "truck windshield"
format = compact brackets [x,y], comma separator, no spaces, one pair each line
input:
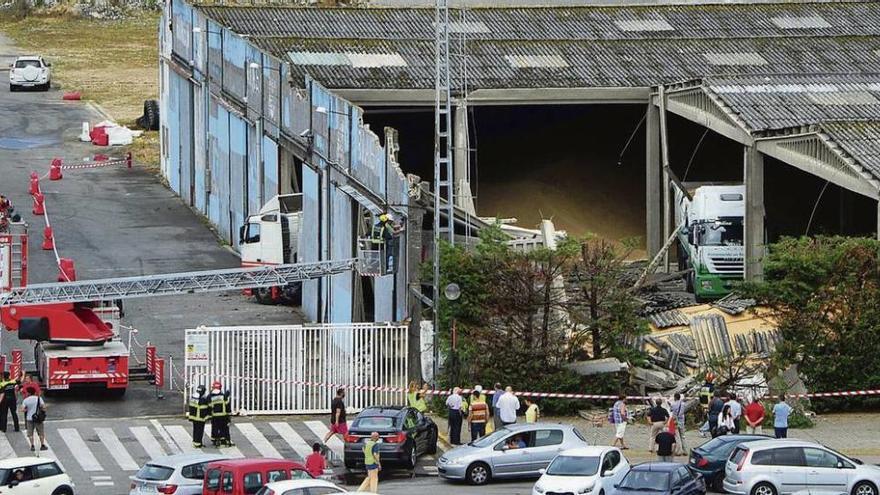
[720,234]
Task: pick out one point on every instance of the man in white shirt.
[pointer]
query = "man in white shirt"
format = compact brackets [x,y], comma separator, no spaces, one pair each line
[735,411]
[453,402]
[508,405]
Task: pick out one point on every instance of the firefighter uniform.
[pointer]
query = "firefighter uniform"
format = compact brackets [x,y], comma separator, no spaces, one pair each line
[219,400]
[8,401]
[198,412]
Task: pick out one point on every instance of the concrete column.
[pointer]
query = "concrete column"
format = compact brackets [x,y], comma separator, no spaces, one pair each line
[753,177]
[653,187]
[461,162]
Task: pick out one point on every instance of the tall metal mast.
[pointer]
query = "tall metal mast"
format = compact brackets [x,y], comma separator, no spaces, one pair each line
[444,184]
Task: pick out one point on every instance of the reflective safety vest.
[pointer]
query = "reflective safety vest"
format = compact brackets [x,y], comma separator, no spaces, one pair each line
[7,388]
[219,405]
[706,394]
[369,458]
[416,402]
[198,409]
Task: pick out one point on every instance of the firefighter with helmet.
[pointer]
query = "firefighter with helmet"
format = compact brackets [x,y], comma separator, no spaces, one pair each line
[385,232]
[219,400]
[6,208]
[707,391]
[198,412]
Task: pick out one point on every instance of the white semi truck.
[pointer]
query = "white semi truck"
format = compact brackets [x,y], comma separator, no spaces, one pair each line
[272,238]
[711,237]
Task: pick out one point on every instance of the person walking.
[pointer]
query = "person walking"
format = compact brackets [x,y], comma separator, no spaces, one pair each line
[198,412]
[9,401]
[715,407]
[532,411]
[657,417]
[678,410]
[34,410]
[315,462]
[219,400]
[736,411]
[372,463]
[416,397]
[454,408]
[496,414]
[665,442]
[479,414]
[754,414]
[781,412]
[338,423]
[508,405]
[619,417]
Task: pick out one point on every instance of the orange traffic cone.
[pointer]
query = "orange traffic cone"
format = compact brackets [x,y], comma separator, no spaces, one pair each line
[39,208]
[48,239]
[55,169]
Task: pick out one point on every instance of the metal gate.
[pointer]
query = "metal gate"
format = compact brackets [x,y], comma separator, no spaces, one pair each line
[297,369]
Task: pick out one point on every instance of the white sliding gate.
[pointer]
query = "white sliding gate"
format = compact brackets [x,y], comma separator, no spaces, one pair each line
[293,369]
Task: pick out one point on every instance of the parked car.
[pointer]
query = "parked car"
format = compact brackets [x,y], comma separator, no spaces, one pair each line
[405,435]
[661,478]
[34,475]
[301,487]
[578,471]
[181,474]
[710,458]
[778,467]
[495,455]
[248,476]
[30,72]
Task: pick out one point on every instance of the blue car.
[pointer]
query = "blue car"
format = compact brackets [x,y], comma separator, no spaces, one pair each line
[661,478]
[710,458]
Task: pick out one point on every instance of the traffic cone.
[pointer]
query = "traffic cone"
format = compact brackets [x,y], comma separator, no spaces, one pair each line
[66,270]
[39,208]
[48,239]
[55,169]
[35,184]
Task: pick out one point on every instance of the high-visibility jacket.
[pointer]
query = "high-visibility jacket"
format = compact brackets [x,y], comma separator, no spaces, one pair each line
[382,232]
[219,404]
[705,395]
[417,402]
[198,409]
[369,458]
[7,388]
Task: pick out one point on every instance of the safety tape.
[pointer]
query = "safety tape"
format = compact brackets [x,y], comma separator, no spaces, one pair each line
[105,163]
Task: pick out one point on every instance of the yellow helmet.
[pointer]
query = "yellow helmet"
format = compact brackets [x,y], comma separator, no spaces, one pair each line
[383,217]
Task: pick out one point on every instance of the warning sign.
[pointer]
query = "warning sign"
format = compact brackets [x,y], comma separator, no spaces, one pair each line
[196,349]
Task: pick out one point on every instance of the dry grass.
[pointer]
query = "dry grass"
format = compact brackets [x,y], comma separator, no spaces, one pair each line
[113,63]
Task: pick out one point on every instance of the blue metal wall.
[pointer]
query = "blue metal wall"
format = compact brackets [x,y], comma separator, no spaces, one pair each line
[185,114]
[176,82]
[237,175]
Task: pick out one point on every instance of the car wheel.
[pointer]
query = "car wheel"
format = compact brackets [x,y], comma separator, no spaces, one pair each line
[864,488]
[478,473]
[413,457]
[763,489]
[63,491]
[431,448]
[12,88]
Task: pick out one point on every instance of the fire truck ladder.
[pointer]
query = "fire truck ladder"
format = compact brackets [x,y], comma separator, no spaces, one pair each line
[173,283]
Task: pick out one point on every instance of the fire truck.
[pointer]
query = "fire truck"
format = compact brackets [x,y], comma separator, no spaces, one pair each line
[76,344]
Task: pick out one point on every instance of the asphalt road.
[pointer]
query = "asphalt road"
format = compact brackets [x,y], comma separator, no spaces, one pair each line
[112,222]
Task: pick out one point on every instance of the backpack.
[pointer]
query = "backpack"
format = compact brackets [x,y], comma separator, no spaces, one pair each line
[40,414]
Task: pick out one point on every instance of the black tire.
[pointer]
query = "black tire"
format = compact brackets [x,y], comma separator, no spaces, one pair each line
[13,88]
[764,488]
[47,86]
[413,458]
[151,111]
[63,490]
[479,473]
[864,488]
[431,449]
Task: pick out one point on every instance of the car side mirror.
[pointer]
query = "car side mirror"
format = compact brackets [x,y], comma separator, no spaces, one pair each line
[542,471]
[606,473]
[839,465]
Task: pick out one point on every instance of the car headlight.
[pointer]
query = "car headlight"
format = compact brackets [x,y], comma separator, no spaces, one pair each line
[539,488]
[707,284]
[586,489]
[453,462]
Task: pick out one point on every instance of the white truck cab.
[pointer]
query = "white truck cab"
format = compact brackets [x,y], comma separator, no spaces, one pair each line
[272,238]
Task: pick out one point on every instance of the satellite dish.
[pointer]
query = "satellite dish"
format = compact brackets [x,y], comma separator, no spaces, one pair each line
[452,292]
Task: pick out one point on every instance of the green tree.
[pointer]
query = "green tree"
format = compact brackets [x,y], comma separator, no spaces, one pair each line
[824,294]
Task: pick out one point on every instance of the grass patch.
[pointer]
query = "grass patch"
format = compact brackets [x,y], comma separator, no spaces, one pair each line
[114,63]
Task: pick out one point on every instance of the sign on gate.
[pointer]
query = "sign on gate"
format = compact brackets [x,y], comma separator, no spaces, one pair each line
[297,369]
[196,349]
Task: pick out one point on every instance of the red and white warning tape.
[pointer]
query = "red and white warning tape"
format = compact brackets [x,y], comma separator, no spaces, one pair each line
[97,164]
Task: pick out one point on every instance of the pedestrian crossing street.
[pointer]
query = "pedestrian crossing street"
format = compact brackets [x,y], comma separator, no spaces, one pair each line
[104,454]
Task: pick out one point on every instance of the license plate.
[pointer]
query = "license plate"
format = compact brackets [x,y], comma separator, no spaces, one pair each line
[59,387]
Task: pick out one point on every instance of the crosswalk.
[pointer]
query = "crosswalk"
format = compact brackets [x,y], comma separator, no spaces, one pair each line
[100,456]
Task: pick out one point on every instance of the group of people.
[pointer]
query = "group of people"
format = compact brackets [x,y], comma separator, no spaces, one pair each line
[214,407]
[32,406]
[477,409]
[726,417]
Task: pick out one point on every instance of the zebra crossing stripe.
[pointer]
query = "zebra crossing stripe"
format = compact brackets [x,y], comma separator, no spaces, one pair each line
[319,429]
[227,451]
[173,448]
[49,453]
[6,450]
[148,441]
[79,449]
[292,438]
[117,450]
[181,438]
[263,446]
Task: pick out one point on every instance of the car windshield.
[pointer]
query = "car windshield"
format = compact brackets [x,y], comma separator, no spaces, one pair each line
[375,423]
[491,438]
[569,465]
[653,481]
[720,234]
[21,64]
[154,472]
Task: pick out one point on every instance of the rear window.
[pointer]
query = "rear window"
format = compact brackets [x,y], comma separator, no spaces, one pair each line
[194,471]
[154,472]
[578,434]
[376,423]
[21,64]
[739,454]
[252,482]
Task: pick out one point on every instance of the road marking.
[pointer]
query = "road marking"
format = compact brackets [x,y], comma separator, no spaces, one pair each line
[173,449]
[101,478]
[117,450]
[49,453]
[181,438]
[6,450]
[293,439]
[263,446]
[148,441]
[79,449]
[319,429]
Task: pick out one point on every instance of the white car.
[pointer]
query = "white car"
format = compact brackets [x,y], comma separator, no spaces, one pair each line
[781,467]
[30,72]
[593,470]
[301,487]
[180,474]
[33,476]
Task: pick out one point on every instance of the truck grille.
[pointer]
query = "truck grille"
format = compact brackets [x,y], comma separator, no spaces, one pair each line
[727,265]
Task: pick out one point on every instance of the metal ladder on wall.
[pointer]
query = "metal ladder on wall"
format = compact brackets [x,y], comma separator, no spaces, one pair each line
[17,274]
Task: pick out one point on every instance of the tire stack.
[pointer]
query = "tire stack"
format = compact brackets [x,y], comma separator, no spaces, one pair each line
[150,119]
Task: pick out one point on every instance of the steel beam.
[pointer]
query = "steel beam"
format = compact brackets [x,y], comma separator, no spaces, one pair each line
[653,187]
[753,177]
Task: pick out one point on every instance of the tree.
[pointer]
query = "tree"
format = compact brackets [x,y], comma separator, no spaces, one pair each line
[824,293]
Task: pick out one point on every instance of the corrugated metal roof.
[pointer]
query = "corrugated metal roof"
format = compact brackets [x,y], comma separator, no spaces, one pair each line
[736,58]
[803,22]
[860,139]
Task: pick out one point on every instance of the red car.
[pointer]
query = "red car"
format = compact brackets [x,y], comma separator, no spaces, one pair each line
[247,476]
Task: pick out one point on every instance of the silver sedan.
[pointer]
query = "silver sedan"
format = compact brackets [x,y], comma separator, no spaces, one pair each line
[515,451]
